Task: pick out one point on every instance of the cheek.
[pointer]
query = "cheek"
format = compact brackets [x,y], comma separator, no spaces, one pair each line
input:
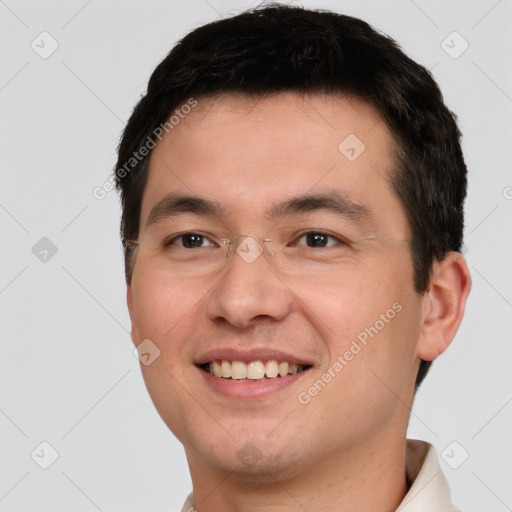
[371,370]
[343,305]
[164,312]
[370,317]
[384,369]
[160,307]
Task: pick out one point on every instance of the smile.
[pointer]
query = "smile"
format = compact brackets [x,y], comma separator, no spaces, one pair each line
[253,370]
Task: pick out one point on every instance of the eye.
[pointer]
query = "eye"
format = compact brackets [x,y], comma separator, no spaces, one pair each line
[319,239]
[189,240]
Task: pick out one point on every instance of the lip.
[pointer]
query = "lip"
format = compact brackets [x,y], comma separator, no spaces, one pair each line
[249,389]
[249,355]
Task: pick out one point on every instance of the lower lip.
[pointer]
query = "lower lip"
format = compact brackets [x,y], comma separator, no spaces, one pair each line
[248,389]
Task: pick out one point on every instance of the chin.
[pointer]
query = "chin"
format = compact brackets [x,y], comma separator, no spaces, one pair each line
[250,458]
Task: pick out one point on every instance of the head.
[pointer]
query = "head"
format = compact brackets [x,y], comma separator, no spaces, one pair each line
[248,112]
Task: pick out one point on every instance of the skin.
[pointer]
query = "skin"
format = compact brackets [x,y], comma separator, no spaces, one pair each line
[345,449]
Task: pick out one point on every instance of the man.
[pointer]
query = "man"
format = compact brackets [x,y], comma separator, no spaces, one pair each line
[292,188]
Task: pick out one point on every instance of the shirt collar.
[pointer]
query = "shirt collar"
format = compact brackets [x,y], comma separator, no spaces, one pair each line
[428,487]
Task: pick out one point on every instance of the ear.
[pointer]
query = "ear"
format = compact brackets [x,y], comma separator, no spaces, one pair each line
[443,305]
[129,301]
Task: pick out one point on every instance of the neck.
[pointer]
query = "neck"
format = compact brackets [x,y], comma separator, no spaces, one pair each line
[369,478]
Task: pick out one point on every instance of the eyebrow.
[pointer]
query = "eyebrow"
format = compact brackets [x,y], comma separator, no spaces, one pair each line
[174,205]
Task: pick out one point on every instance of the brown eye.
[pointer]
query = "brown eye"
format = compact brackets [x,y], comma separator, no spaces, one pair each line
[319,239]
[316,239]
[188,240]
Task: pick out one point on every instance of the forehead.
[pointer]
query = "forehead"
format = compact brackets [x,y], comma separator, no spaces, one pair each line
[248,153]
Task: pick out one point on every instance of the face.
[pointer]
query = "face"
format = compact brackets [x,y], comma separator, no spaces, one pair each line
[331,295]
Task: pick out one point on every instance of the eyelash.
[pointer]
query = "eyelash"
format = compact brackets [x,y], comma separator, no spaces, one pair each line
[339,240]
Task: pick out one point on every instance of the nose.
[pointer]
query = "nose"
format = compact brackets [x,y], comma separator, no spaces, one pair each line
[249,289]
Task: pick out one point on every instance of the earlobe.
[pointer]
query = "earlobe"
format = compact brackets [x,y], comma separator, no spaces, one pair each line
[444,305]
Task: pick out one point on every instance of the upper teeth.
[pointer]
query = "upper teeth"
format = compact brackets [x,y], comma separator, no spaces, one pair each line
[254,370]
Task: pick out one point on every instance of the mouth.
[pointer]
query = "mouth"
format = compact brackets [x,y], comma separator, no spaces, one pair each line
[258,370]
[252,374]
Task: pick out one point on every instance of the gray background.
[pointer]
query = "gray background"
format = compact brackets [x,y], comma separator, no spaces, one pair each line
[67,373]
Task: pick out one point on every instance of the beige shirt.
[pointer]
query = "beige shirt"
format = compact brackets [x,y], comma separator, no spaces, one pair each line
[428,490]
